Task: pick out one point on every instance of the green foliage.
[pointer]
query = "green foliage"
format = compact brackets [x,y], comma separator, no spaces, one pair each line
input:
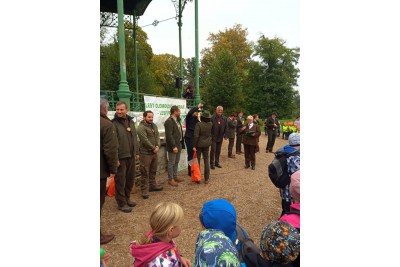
[166,68]
[222,86]
[110,64]
[271,80]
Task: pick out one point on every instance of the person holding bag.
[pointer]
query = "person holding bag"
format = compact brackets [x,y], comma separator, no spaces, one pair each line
[202,142]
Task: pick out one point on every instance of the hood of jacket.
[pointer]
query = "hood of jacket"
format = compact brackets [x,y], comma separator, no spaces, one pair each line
[116,118]
[145,253]
[289,149]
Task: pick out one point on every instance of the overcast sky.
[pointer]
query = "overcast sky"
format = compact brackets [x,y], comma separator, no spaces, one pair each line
[272,18]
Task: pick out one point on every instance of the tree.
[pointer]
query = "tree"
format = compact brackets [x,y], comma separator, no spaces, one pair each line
[166,68]
[271,80]
[110,66]
[233,40]
[222,86]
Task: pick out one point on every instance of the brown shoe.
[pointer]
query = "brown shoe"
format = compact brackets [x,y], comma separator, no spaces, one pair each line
[179,180]
[156,188]
[131,203]
[104,239]
[172,182]
[125,208]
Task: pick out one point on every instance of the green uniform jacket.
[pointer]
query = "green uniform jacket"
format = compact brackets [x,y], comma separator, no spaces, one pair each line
[149,137]
[124,149]
[173,136]
[202,134]
[231,128]
[108,147]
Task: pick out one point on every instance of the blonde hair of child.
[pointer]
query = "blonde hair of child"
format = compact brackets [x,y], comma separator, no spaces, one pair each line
[164,216]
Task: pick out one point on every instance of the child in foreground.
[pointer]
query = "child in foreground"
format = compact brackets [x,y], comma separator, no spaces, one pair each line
[157,248]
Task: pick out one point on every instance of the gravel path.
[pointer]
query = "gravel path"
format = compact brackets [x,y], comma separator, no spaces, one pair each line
[255,198]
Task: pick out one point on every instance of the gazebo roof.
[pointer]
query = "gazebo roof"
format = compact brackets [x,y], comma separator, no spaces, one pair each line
[111,6]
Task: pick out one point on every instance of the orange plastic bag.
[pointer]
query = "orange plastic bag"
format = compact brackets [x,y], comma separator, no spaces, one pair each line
[111,187]
[195,168]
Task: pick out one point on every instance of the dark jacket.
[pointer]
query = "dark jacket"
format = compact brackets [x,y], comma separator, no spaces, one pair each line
[270,124]
[218,133]
[149,137]
[202,134]
[251,140]
[108,147]
[191,122]
[173,136]
[239,125]
[127,140]
[231,128]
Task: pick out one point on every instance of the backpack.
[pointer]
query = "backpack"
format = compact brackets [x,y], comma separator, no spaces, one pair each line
[278,169]
[244,244]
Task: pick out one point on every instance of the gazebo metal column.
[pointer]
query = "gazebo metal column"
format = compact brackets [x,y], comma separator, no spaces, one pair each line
[123,90]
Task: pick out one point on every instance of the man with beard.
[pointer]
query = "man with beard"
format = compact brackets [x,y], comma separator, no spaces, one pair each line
[108,157]
[128,153]
[175,143]
[149,146]
[218,131]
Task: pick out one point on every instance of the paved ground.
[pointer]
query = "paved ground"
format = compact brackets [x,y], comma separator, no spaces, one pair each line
[256,200]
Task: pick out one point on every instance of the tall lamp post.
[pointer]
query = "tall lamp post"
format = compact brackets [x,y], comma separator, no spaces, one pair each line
[179,9]
[197,99]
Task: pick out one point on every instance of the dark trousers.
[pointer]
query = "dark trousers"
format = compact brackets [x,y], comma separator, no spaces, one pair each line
[285,206]
[204,151]
[239,143]
[103,191]
[230,146]
[215,152]
[271,140]
[148,171]
[124,179]
[189,150]
[250,155]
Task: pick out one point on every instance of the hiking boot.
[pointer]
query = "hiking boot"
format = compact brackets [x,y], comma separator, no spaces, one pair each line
[125,208]
[131,203]
[104,239]
[179,180]
[172,182]
[156,188]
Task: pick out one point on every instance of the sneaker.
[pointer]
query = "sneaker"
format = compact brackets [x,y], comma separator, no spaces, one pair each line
[156,188]
[172,182]
[179,180]
[104,239]
[131,203]
[125,208]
